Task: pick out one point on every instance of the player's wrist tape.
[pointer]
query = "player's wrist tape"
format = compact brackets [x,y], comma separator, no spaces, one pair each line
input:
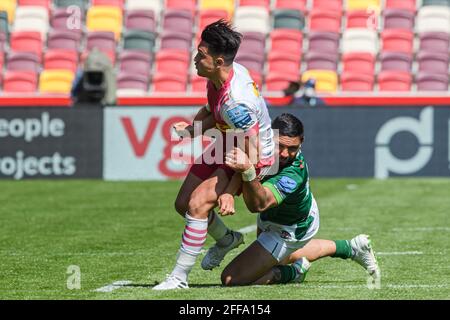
[249,174]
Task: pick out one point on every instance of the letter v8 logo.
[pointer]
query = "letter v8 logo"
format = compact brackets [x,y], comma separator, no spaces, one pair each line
[138,144]
[423,129]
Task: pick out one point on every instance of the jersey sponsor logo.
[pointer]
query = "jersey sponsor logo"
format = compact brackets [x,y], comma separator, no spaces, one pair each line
[286,185]
[222,127]
[240,117]
[285,235]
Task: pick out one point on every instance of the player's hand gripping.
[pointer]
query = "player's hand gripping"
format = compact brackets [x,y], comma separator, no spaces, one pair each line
[237,160]
[181,128]
[226,204]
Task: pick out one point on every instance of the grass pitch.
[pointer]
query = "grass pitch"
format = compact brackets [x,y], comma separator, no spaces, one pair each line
[117,231]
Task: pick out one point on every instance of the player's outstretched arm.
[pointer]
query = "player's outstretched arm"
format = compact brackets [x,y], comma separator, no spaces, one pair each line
[206,118]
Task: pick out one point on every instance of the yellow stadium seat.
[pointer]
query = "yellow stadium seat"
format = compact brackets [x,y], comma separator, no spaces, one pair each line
[363,5]
[56,81]
[227,5]
[105,18]
[326,80]
[10,7]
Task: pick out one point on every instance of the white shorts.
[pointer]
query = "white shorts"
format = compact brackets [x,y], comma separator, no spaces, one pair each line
[280,240]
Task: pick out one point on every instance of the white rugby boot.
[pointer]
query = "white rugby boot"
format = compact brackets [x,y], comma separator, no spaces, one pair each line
[217,253]
[363,255]
[171,283]
[302,266]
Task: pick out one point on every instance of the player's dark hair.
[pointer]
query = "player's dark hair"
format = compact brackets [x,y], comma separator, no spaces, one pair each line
[288,125]
[222,40]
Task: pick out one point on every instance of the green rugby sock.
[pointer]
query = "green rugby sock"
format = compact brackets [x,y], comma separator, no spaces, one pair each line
[288,273]
[343,249]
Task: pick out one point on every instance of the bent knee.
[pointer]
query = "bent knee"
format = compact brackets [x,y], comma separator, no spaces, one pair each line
[229,279]
[181,206]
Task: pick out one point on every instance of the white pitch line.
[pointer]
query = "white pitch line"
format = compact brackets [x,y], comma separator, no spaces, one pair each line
[389,286]
[398,253]
[424,229]
[113,286]
[248,229]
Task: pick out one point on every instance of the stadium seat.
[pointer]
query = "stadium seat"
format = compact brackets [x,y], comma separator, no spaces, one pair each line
[299,5]
[35,3]
[253,42]
[112,3]
[257,78]
[396,61]
[282,62]
[168,82]
[325,20]
[103,41]
[22,82]
[335,5]
[436,3]
[288,19]
[135,62]
[135,81]
[67,3]
[252,61]
[4,24]
[433,62]
[287,40]
[23,61]
[279,81]
[105,18]
[198,84]
[61,60]
[25,41]
[178,20]
[63,19]
[432,82]
[255,3]
[209,16]
[409,5]
[9,6]
[324,42]
[141,20]
[363,5]
[139,40]
[398,19]
[176,40]
[352,81]
[172,61]
[397,40]
[190,5]
[56,81]
[435,41]
[227,5]
[326,80]
[359,62]
[64,39]
[154,5]
[30,18]
[252,19]
[394,81]
[362,19]
[360,40]
[433,19]
[316,60]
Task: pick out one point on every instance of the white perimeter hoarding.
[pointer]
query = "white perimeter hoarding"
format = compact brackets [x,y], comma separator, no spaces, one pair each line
[140,143]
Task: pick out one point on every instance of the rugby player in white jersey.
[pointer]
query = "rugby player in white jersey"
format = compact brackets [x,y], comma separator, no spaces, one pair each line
[234,104]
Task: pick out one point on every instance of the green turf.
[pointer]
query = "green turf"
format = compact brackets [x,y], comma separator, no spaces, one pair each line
[129,231]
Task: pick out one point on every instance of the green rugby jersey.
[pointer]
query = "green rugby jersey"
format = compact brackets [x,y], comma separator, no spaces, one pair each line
[290,188]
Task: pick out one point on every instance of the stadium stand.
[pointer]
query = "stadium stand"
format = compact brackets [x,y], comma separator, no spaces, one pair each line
[352,45]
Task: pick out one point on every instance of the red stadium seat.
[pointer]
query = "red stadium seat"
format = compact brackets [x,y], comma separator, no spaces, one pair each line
[325,20]
[287,40]
[17,81]
[358,62]
[282,62]
[397,40]
[291,4]
[255,3]
[362,19]
[168,82]
[112,3]
[27,41]
[198,84]
[172,61]
[351,81]
[61,59]
[257,78]
[190,5]
[394,81]
[280,81]
[207,17]
[335,5]
[401,4]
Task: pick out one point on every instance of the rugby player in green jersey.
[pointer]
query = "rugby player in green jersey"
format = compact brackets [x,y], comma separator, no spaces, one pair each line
[288,219]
